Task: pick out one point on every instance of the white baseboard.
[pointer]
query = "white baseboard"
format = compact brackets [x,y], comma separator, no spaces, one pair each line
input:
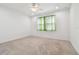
[50,37]
[74,46]
[19,37]
[15,38]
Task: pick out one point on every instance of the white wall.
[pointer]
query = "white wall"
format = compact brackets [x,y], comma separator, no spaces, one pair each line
[62,26]
[13,24]
[74,26]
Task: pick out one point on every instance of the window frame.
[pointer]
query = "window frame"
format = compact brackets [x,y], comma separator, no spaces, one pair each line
[47,23]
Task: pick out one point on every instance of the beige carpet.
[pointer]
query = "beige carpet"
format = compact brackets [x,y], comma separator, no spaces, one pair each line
[37,46]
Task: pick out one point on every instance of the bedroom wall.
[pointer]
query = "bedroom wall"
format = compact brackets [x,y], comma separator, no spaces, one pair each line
[74,25]
[13,24]
[62,26]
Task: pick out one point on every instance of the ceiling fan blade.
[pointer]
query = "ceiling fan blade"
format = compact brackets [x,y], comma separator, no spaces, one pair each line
[40,9]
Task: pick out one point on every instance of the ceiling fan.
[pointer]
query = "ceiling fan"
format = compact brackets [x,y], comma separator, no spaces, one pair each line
[35,7]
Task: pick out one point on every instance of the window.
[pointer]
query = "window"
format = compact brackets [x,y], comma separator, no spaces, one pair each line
[46,23]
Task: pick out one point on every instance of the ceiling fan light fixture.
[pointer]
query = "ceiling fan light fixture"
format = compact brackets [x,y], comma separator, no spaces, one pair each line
[35,7]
